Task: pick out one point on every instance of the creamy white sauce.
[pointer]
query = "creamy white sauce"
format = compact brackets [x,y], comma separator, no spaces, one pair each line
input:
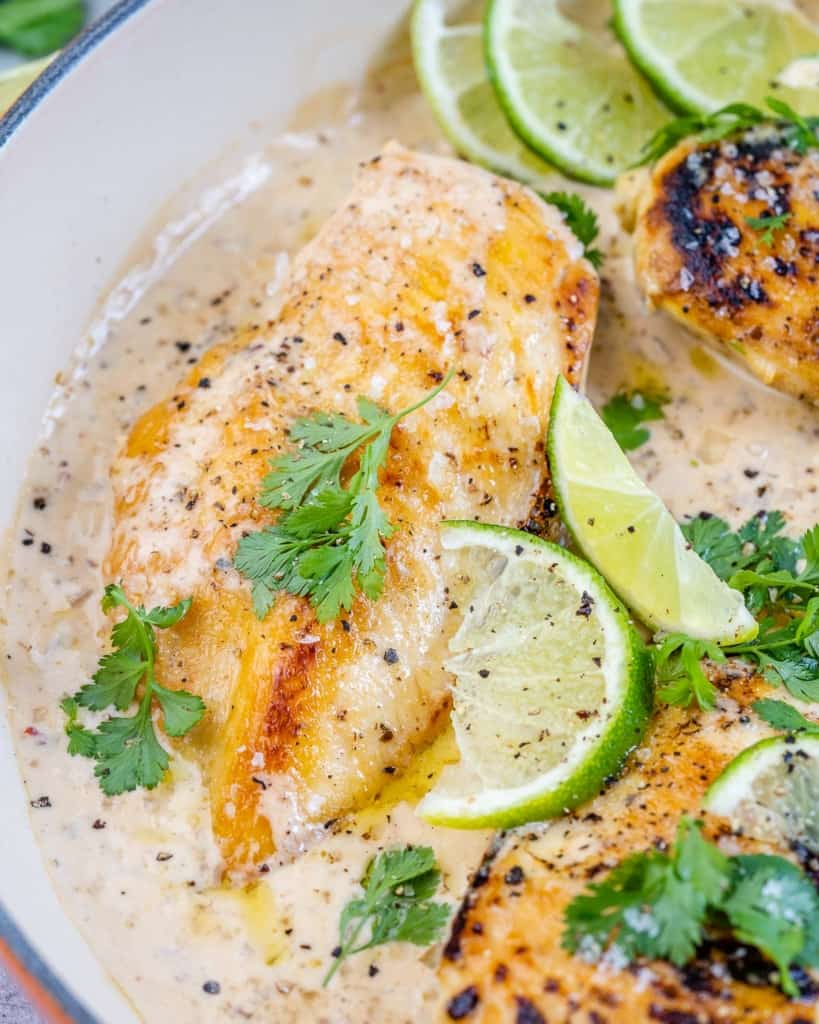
[163,925]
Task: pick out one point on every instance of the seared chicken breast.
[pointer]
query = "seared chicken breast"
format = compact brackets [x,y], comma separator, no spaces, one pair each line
[430,264]
[504,964]
[727,241]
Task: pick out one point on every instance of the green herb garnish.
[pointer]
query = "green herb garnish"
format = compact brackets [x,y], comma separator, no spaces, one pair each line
[126,749]
[768,225]
[779,578]
[329,542]
[799,132]
[625,413]
[396,905]
[36,28]
[784,717]
[581,220]
[664,904]
[678,661]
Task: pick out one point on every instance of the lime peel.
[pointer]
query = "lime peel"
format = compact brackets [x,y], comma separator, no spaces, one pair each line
[628,534]
[568,93]
[555,637]
[771,790]
[682,49]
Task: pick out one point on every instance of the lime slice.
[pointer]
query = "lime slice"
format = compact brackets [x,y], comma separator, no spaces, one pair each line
[568,90]
[702,55]
[553,682]
[771,791]
[17,80]
[625,530]
[447,44]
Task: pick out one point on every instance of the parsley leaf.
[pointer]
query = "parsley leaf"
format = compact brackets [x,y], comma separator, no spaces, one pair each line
[625,413]
[581,220]
[663,904]
[678,661]
[768,224]
[799,132]
[329,541]
[36,28]
[784,717]
[396,906]
[126,749]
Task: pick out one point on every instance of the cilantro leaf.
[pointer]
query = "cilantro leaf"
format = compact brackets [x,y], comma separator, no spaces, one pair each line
[36,28]
[783,716]
[328,543]
[126,749]
[768,224]
[771,906]
[624,413]
[663,905]
[396,906]
[181,710]
[128,753]
[81,742]
[115,681]
[715,542]
[799,133]
[581,220]
[652,904]
[678,661]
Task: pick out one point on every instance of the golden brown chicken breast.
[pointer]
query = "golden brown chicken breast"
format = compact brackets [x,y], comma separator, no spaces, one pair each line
[430,264]
[504,964]
[727,241]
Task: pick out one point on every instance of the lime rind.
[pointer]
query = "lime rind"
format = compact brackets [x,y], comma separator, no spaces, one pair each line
[478,792]
[771,790]
[447,46]
[571,96]
[628,534]
[692,41]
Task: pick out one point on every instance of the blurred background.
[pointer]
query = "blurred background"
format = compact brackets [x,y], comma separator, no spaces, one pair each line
[31,31]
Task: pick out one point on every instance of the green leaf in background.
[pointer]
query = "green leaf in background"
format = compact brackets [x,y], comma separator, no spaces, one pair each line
[36,28]
[625,413]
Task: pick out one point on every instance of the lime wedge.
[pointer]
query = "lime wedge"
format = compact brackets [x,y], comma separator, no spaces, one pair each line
[626,531]
[701,56]
[771,791]
[568,90]
[447,44]
[553,683]
[17,80]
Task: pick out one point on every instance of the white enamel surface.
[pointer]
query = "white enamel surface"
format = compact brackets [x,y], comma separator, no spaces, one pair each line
[172,87]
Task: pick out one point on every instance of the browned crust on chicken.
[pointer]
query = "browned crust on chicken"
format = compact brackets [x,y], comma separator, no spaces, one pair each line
[504,963]
[430,264]
[698,258]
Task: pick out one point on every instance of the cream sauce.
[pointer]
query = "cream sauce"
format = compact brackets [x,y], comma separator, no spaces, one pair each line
[140,874]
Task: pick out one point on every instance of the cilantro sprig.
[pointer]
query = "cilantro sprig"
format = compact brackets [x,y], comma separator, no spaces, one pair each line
[663,904]
[126,749]
[799,133]
[581,220]
[329,541]
[779,578]
[625,414]
[767,225]
[396,905]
